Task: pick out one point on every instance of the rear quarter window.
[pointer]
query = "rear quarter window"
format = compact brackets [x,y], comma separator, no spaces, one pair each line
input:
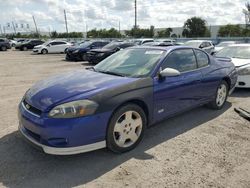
[202,58]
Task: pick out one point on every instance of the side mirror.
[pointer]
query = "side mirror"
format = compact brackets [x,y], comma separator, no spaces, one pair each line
[92,46]
[169,72]
[118,48]
[49,45]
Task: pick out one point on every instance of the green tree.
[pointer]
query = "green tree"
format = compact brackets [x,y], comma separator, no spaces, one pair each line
[103,33]
[195,27]
[53,34]
[165,33]
[230,31]
[139,33]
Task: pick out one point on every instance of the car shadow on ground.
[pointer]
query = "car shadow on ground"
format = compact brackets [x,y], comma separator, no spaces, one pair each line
[241,92]
[24,166]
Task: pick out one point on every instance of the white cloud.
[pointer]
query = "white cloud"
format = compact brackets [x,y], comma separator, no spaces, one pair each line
[107,13]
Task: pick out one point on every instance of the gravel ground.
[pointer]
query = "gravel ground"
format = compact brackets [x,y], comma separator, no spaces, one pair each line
[200,148]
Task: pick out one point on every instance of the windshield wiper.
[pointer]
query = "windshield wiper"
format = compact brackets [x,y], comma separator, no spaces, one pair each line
[112,73]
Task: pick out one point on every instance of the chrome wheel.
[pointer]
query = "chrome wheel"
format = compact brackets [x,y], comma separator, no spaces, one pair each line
[221,95]
[127,129]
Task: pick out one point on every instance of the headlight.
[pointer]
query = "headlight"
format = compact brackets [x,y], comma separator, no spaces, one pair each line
[74,109]
[244,70]
[76,51]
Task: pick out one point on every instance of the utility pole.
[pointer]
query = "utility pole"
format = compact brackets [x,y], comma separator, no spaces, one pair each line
[4,30]
[66,23]
[119,27]
[135,14]
[35,25]
[14,27]
[1,29]
[86,31]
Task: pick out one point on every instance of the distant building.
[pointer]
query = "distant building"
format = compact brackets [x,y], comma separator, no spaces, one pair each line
[214,29]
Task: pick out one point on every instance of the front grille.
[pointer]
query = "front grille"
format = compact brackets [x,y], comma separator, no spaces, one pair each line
[31,108]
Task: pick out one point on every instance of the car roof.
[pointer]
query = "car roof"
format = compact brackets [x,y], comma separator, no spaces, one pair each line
[246,44]
[228,42]
[164,48]
[199,41]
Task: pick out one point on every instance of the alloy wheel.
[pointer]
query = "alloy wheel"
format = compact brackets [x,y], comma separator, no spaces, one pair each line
[221,95]
[127,129]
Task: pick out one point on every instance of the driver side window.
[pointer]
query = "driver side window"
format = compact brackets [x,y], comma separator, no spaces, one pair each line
[182,60]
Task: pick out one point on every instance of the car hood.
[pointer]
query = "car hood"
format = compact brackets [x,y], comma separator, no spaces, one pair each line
[77,48]
[240,62]
[57,89]
[39,46]
[102,50]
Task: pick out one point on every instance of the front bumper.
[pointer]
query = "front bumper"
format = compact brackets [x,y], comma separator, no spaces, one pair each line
[62,151]
[36,50]
[243,81]
[94,58]
[64,136]
[73,56]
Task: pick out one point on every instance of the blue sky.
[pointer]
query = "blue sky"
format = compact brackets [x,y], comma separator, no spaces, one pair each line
[108,13]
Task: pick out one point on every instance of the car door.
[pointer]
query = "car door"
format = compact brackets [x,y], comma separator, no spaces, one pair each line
[208,82]
[175,94]
[62,46]
[53,47]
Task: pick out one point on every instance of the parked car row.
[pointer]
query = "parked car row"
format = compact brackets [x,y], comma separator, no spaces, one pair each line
[98,50]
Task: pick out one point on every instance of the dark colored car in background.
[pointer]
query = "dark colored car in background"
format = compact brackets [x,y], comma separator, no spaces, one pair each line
[79,53]
[4,44]
[29,45]
[97,55]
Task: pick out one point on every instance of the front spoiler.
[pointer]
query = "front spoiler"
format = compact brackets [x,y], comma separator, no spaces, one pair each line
[63,151]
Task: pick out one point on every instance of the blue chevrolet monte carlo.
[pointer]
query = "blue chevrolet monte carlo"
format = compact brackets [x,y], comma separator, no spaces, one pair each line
[110,105]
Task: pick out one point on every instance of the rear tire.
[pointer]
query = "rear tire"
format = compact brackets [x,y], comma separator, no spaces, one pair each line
[126,128]
[220,97]
[24,48]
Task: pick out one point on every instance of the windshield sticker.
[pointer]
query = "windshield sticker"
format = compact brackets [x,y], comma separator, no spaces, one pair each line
[154,52]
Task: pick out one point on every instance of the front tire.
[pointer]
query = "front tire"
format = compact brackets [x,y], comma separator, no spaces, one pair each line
[24,48]
[44,51]
[126,128]
[221,96]
[3,48]
[84,57]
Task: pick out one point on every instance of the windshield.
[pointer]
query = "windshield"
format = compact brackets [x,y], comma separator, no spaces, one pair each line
[138,42]
[242,52]
[224,44]
[111,46]
[194,44]
[131,62]
[85,44]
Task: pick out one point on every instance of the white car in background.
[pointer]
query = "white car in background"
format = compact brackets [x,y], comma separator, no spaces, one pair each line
[205,45]
[52,47]
[222,45]
[142,41]
[240,56]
